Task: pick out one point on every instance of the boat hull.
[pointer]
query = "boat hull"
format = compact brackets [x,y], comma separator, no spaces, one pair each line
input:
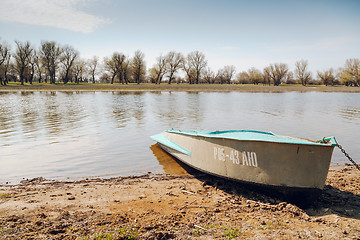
[266,163]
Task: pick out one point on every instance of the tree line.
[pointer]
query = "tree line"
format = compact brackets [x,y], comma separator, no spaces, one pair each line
[53,63]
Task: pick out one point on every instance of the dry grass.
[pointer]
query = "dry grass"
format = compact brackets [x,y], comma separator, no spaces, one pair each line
[173,87]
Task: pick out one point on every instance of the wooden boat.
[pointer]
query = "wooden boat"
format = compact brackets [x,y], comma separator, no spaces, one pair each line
[253,156]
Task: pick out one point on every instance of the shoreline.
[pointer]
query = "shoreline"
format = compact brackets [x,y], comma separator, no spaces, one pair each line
[182,206]
[178,170]
[15,87]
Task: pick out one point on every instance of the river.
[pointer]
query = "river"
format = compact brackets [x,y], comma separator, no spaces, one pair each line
[61,135]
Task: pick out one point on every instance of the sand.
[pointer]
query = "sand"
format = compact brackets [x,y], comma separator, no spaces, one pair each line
[179,206]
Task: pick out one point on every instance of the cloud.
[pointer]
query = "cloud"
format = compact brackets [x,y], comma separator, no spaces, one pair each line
[324,44]
[60,14]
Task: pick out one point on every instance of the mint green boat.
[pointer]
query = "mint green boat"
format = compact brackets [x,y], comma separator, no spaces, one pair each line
[253,156]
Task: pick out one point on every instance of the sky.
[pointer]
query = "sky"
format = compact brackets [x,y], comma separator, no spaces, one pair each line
[229,32]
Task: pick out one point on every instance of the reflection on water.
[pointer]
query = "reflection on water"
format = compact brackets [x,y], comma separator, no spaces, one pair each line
[76,134]
[127,107]
[168,163]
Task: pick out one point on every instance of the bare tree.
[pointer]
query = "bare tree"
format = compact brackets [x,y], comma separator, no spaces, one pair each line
[79,70]
[255,76]
[289,78]
[32,65]
[159,69]
[327,77]
[111,68]
[276,72]
[6,68]
[209,76]
[50,55]
[243,77]
[301,72]
[23,58]
[105,78]
[138,66]
[153,73]
[119,60]
[229,72]
[220,76]
[39,66]
[173,63]
[350,74]
[190,71]
[116,66]
[5,54]
[225,74]
[197,61]
[93,64]
[126,70]
[266,75]
[67,58]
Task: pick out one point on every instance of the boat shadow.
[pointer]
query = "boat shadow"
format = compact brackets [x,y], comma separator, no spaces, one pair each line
[335,201]
[330,200]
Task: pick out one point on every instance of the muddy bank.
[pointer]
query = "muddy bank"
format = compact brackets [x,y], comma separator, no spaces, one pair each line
[175,206]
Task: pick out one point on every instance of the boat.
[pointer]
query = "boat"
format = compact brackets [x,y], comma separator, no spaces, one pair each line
[250,156]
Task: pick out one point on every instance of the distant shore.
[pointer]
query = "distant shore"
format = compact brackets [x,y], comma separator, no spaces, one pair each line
[164,206]
[174,87]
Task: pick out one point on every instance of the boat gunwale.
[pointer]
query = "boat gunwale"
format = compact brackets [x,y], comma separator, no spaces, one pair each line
[324,142]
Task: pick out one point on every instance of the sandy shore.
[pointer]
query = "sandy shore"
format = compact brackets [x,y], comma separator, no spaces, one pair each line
[181,206]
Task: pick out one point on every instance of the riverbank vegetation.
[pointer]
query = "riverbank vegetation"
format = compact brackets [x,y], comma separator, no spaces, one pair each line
[52,63]
[82,86]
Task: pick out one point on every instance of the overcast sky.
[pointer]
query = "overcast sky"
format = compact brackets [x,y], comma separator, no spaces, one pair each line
[229,32]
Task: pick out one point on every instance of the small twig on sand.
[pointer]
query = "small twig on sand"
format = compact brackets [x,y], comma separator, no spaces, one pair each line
[200,227]
[187,204]
[198,206]
[188,192]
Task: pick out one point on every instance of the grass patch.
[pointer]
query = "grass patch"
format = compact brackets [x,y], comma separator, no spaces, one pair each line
[197,232]
[271,226]
[103,236]
[5,195]
[210,226]
[128,232]
[231,232]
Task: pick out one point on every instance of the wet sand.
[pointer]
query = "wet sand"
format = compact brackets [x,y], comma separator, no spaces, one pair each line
[178,205]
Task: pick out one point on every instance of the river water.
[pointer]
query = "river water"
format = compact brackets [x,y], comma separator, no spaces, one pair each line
[63,135]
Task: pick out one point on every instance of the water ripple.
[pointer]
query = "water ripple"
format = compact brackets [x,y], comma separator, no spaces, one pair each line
[76,134]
